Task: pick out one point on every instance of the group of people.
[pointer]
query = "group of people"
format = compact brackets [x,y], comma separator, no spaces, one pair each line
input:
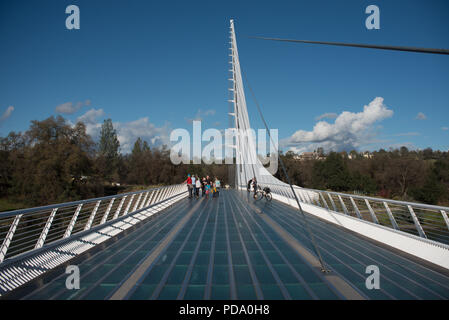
[207,186]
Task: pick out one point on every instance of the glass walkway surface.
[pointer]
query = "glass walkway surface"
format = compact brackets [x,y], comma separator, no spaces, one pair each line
[223,248]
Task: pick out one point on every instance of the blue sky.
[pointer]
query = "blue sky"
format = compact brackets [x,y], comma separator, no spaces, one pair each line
[151,66]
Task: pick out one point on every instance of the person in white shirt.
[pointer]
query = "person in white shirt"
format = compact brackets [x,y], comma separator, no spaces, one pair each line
[198,186]
[217,184]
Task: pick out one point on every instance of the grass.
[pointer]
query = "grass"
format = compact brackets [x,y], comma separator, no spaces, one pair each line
[8,205]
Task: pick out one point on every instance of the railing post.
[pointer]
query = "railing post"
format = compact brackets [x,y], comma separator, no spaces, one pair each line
[92,216]
[106,214]
[178,188]
[355,208]
[343,205]
[137,202]
[418,226]
[68,232]
[371,211]
[144,200]
[287,194]
[443,213]
[308,197]
[164,193]
[117,212]
[332,202]
[129,205]
[303,194]
[8,238]
[153,197]
[150,198]
[43,236]
[168,194]
[156,196]
[316,200]
[298,193]
[322,199]
[390,215]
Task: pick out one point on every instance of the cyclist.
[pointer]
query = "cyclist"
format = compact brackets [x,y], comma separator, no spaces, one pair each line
[255,186]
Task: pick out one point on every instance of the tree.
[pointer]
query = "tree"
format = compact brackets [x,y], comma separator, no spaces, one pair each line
[108,150]
[332,173]
[405,172]
[137,163]
[48,166]
[431,191]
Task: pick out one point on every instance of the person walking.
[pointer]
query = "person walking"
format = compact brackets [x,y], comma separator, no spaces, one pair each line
[203,187]
[207,188]
[250,182]
[217,187]
[193,186]
[198,186]
[189,185]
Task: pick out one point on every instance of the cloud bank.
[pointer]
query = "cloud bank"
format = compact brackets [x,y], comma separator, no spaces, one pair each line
[349,130]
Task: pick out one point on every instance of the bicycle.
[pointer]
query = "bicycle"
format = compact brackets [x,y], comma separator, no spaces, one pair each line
[265,192]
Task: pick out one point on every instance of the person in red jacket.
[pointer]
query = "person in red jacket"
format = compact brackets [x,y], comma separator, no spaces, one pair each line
[189,185]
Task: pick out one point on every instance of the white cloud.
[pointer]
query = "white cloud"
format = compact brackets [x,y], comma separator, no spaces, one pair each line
[349,131]
[128,132]
[7,113]
[70,107]
[91,116]
[90,119]
[200,115]
[326,116]
[421,116]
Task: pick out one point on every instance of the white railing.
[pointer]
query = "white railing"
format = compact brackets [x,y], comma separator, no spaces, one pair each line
[32,229]
[423,220]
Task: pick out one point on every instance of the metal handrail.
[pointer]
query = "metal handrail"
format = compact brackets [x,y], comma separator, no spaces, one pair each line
[423,220]
[399,202]
[72,203]
[33,228]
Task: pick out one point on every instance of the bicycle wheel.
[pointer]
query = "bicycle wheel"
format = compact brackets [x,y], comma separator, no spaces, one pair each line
[269,196]
[258,195]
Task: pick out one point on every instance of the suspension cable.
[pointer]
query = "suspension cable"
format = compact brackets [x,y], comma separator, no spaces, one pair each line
[358,45]
[311,236]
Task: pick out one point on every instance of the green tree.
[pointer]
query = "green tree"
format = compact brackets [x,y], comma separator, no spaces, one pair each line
[137,165]
[108,151]
[332,173]
[53,162]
